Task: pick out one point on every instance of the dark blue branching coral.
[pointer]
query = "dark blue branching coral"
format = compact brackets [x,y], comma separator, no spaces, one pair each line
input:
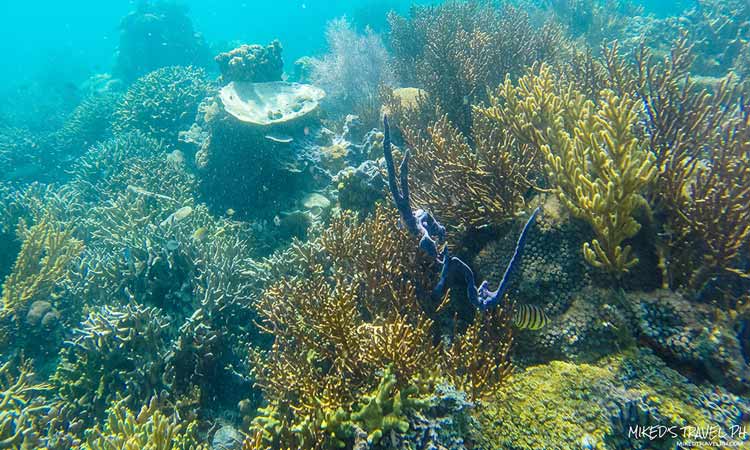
[422,224]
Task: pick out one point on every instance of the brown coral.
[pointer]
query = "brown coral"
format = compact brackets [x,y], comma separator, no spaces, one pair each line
[47,251]
[470,181]
[456,50]
[355,306]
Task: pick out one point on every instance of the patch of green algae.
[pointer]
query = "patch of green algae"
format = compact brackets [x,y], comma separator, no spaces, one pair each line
[563,405]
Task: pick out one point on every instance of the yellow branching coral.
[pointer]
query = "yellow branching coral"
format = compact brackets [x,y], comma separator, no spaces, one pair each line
[699,140]
[475,360]
[716,206]
[150,429]
[47,251]
[596,162]
[19,406]
[355,307]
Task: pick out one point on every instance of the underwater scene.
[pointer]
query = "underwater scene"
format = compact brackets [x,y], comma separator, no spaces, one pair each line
[375,224]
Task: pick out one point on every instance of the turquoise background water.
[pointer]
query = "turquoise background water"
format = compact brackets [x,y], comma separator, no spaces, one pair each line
[72,39]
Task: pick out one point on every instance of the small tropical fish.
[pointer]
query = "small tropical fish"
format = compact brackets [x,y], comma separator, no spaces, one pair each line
[230,212]
[172,245]
[128,255]
[176,216]
[200,234]
[141,191]
[277,220]
[529,317]
[279,138]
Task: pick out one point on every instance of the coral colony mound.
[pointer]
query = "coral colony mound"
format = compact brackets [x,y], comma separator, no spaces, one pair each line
[482,226]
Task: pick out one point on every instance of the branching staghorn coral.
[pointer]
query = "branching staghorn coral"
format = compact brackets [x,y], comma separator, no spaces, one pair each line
[118,353]
[456,50]
[162,102]
[20,406]
[358,303]
[149,429]
[48,250]
[595,160]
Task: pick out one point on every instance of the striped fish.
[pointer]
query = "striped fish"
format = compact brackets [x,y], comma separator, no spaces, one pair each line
[529,317]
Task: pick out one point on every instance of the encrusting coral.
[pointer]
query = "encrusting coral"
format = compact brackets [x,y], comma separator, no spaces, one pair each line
[597,165]
[551,406]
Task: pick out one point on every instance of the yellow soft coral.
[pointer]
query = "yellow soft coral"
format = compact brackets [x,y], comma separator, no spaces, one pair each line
[594,158]
[47,251]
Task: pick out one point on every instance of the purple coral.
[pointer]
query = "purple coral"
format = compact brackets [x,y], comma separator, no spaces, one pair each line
[422,224]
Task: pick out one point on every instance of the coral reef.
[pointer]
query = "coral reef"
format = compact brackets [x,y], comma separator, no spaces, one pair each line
[353,71]
[456,50]
[551,406]
[41,268]
[598,166]
[148,429]
[162,102]
[20,404]
[359,189]
[158,34]
[361,315]
[469,181]
[253,63]
[89,122]
[117,353]
[696,338]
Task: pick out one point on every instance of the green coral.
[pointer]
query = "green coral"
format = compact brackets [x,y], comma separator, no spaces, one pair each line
[557,405]
[373,416]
